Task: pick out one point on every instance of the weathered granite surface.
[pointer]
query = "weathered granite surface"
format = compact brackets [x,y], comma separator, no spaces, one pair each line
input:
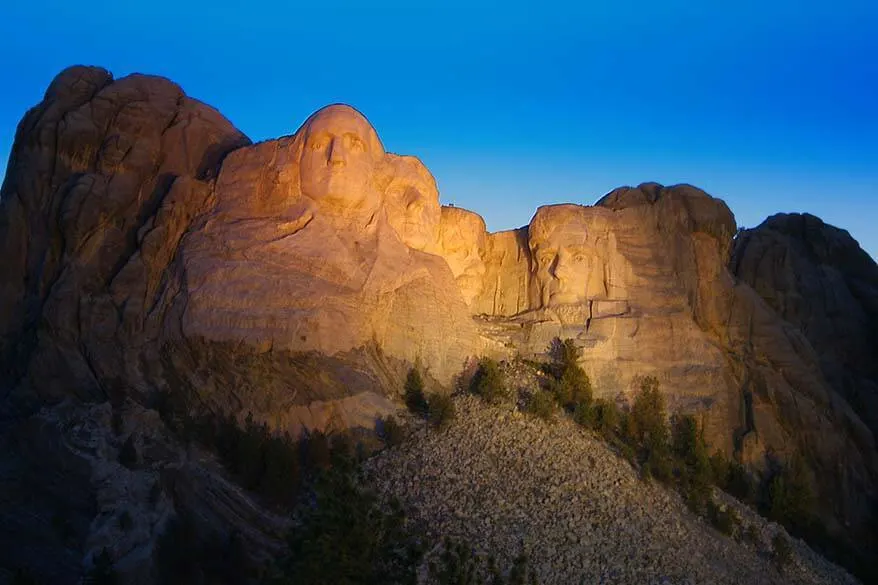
[150,247]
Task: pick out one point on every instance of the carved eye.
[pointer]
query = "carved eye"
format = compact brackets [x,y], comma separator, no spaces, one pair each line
[318,144]
[579,258]
[355,144]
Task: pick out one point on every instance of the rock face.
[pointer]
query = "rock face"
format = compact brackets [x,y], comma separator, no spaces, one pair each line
[103,176]
[819,279]
[141,262]
[150,247]
[317,271]
[68,495]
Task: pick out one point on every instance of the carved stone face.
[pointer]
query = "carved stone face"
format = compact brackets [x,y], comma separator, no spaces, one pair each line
[462,237]
[340,152]
[413,202]
[557,239]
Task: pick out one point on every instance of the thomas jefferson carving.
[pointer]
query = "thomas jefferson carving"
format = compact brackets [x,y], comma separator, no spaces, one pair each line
[413,202]
[462,239]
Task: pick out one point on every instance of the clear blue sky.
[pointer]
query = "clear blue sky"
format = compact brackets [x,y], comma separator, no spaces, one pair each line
[771,105]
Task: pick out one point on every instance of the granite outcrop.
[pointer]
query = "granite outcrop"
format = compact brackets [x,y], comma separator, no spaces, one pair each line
[150,249]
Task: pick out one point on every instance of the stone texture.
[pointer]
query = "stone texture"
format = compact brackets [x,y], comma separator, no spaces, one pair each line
[141,263]
[67,497]
[412,200]
[150,247]
[103,174]
[462,238]
[507,483]
[324,273]
[819,279]
[639,282]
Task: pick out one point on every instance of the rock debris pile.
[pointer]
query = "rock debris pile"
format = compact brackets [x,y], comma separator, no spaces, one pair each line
[507,483]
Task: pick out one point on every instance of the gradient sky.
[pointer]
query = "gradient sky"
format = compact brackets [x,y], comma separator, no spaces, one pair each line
[770,105]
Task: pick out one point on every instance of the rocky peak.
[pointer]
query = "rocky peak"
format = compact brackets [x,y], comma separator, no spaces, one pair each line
[150,248]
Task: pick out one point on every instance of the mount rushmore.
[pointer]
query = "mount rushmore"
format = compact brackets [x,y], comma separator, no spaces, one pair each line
[150,247]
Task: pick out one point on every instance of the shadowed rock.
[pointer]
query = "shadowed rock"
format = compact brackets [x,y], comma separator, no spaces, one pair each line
[149,247]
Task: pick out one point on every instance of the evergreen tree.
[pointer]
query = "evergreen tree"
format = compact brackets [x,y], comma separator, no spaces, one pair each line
[647,425]
[791,499]
[102,572]
[128,453]
[345,538]
[414,396]
[489,382]
[571,386]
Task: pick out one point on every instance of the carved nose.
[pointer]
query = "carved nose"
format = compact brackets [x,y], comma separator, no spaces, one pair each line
[336,153]
[561,268]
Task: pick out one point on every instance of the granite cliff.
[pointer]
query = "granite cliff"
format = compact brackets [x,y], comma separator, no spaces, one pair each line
[151,250]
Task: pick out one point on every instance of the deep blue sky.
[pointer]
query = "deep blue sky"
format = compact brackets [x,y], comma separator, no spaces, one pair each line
[771,105]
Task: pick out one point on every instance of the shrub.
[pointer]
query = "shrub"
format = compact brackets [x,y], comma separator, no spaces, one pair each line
[628,453]
[458,564]
[685,440]
[441,410]
[155,493]
[316,449]
[271,465]
[281,473]
[627,428]
[695,468]
[724,519]
[752,535]
[731,477]
[605,415]
[414,396]
[649,416]
[391,432]
[646,428]
[781,551]
[341,450]
[791,499]
[489,382]
[246,457]
[345,537]
[571,385]
[584,415]
[185,555]
[126,522]
[541,405]
[573,388]
[720,470]
[520,574]
[739,483]
[128,453]
[101,572]
[657,464]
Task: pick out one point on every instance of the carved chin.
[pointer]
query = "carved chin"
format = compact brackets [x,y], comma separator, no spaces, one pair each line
[338,190]
[563,297]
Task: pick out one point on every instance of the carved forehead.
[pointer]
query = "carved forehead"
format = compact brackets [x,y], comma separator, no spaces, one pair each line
[463,224]
[410,171]
[341,119]
[561,225]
